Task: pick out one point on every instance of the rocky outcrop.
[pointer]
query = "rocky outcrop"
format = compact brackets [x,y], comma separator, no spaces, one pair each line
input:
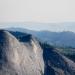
[25,56]
[17,58]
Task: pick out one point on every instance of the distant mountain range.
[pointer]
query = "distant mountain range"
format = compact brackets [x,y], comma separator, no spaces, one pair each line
[59,39]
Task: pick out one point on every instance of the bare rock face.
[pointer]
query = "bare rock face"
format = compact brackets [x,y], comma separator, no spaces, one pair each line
[31,58]
[17,58]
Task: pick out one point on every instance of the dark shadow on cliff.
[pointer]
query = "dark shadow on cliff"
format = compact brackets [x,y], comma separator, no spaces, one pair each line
[52,59]
[46,54]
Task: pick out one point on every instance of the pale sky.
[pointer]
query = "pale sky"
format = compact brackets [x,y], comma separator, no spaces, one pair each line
[37,10]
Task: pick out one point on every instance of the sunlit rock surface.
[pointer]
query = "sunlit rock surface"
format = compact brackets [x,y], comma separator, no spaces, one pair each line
[26,56]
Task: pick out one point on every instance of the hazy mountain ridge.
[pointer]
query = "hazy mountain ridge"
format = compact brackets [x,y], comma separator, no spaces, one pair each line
[62,39]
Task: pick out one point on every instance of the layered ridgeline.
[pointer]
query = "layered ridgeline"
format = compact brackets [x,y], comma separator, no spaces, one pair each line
[22,54]
[53,38]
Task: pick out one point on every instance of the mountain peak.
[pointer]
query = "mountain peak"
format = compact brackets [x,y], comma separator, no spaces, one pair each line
[27,57]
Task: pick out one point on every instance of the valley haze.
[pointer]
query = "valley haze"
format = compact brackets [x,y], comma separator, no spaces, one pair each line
[54,27]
